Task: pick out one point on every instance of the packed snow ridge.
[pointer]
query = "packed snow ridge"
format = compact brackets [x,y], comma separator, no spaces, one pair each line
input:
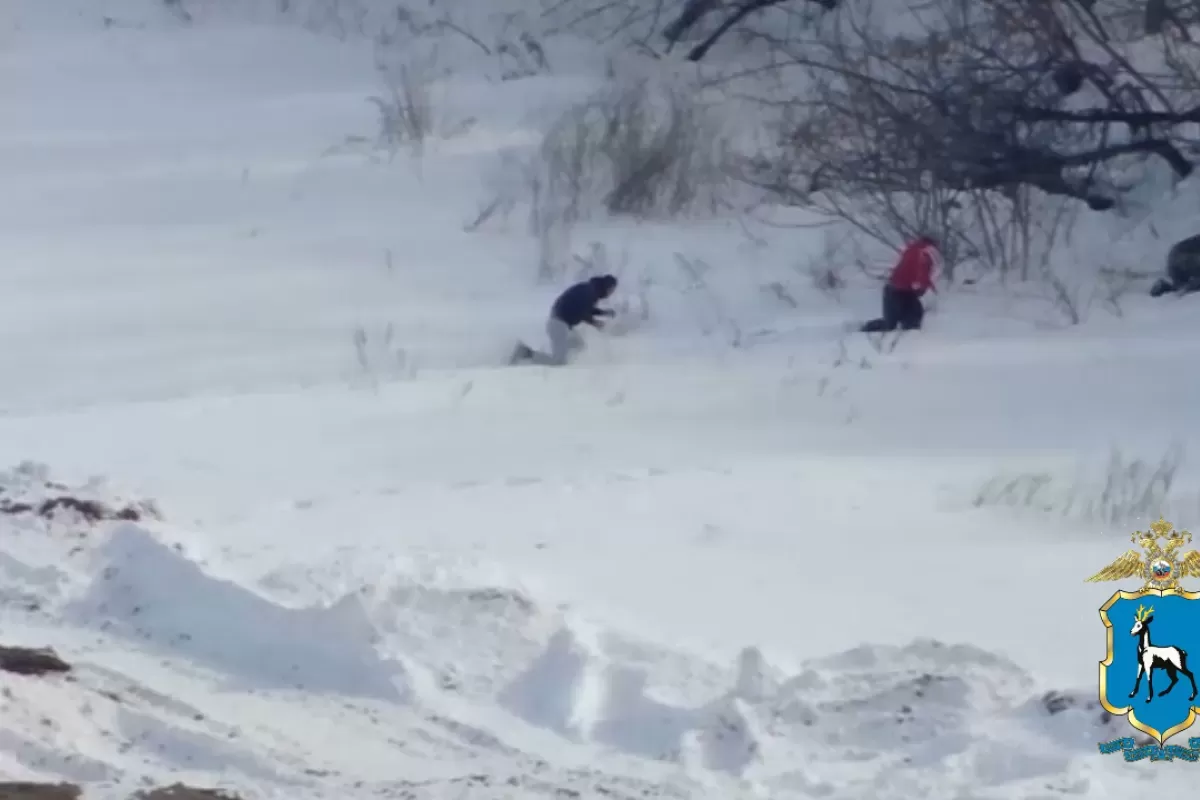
[183,671]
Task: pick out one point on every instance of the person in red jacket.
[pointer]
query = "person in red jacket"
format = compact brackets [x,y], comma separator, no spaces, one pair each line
[910,279]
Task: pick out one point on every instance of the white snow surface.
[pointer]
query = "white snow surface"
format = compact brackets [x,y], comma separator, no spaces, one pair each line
[678,568]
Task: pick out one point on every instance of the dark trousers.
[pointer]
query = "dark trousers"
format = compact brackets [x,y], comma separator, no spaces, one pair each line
[902,309]
[1166,286]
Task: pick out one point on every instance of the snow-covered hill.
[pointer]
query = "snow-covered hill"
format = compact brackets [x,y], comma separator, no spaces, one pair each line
[733,552]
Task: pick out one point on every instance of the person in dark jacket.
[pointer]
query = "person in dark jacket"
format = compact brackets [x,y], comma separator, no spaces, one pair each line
[578,305]
[1183,269]
[911,278]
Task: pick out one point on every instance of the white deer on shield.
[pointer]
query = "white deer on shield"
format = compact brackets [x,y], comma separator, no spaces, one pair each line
[1150,658]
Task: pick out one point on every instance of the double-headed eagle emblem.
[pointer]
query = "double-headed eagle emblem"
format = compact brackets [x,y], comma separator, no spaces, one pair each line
[1161,567]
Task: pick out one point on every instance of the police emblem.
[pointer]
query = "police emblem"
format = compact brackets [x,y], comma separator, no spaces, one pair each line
[1151,633]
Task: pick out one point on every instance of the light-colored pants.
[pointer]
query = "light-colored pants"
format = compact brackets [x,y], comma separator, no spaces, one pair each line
[563,342]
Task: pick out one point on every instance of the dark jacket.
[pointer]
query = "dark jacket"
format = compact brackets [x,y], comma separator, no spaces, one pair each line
[1183,263]
[578,304]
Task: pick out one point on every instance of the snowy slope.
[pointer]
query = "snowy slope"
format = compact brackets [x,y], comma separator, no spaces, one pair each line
[387,567]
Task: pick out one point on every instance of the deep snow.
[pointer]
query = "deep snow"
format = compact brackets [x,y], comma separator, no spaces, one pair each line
[681,566]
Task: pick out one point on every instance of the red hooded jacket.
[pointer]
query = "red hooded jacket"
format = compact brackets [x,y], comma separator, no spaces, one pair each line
[914,272]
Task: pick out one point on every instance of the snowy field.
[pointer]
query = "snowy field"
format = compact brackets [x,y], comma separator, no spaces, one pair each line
[733,552]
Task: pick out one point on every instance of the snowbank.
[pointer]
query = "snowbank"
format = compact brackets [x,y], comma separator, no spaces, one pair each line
[201,671]
[148,591]
[924,706]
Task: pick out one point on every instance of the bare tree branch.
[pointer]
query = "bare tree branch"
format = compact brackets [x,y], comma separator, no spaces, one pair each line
[695,10]
[961,122]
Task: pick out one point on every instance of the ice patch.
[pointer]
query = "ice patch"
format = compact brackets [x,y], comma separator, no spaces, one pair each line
[148,591]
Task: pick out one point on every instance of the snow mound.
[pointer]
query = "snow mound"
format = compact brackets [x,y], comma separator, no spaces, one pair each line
[467,628]
[470,638]
[958,709]
[579,691]
[879,700]
[1074,720]
[421,656]
[49,527]
[718,736]
[564,689]
[926,705]
[148,591]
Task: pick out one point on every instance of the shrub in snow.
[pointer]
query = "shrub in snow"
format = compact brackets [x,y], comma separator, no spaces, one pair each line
[379,357]
[1128,489]
[641,148]
[405,112]
[408,114]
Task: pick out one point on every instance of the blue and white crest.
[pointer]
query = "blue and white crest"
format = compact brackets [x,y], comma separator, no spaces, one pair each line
[1153,647]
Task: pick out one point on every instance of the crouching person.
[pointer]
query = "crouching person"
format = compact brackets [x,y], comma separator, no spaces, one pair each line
[1183,269]
[910,279]
[576,306]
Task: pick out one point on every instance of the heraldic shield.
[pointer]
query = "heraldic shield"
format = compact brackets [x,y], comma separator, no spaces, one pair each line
[1147,675]
[1153,647]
